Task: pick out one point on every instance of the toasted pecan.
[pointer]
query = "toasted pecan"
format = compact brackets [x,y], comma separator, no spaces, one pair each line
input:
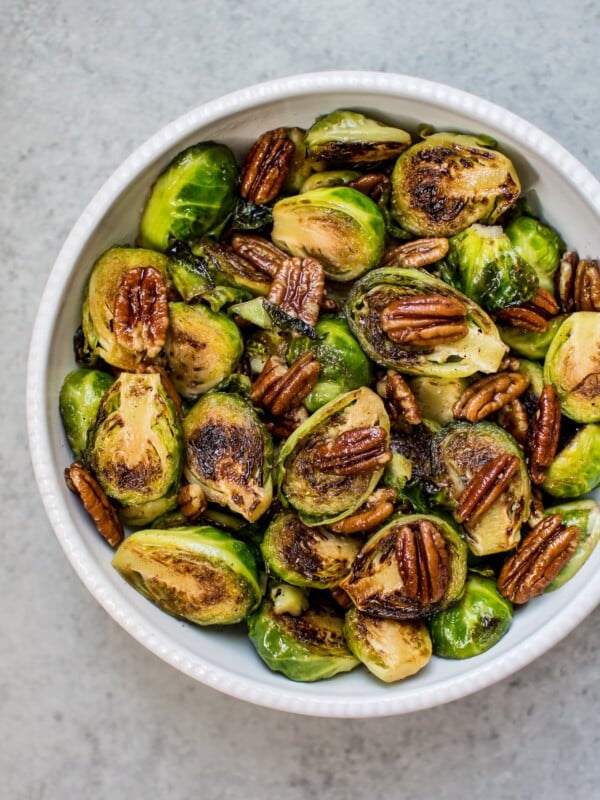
[96,503]
[369,516]
[424,320]
[280,389]
[485,487]
[354,451]
[266,166]
[141,313]
[544,433]
[298,288]
[416,254]
[423,562]
[488,394]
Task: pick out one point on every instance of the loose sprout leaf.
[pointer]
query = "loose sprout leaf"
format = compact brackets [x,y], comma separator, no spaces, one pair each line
[179,251]
[250,216]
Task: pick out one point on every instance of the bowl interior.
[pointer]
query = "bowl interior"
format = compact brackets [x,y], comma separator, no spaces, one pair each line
[222,657]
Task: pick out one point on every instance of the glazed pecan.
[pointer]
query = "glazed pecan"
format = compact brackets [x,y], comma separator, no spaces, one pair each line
[266,166]
[354,451]
[531,316]
[374,184]
[259,252]
[416,254]
[538,559]
[287,423]
[369,516]
[400,397]
[513,418]
[341,597]
[191,501]
[586,292]
[141,314]
[544,433]
[489,394]
[424,320]
[485,487]
[95,502]
[298,288]
[279,389]
[564,281]
[423,562]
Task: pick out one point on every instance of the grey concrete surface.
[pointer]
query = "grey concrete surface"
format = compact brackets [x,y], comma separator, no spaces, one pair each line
[84,710]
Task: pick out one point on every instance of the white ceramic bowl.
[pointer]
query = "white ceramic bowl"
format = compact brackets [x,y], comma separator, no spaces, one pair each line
[224,659]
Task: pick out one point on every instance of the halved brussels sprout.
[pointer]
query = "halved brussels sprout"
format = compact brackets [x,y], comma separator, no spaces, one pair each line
[437,396]
[539,246]
[483,264]
[79,400]
[193,196]
[98,311]
[143,514]
[344,366]
[459,451]
[196,573]
[528,343]
[135,448]
[348,136]
[227,268]
[300,167]
[307,647]
[202,348]
[448,181]
[376,584]
[313,557]
[392,649]
[325,497]
[229,452]
[586,515]
[476,622]
[339,226]
[481,350]
[572,365]
[576,468]
[329,177]
[288,599]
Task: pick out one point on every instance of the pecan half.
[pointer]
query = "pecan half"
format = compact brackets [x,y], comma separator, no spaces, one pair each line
[298,288]
[400,397]
[424,320]
[192,501]
[286,424]
[538,559]
[369,516]
[259,252]
[489,394]
[531,316]
[340,597]
[141,314]
[279,389]
[266,166]
[513,418]
[485,487]
[95,502]
[564,281]
[416,254]
[544,433]
[586,292]
[374,184]
[354,451]
[423,562]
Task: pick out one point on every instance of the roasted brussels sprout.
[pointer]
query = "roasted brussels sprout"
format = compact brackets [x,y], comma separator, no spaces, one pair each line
[480,349]
[529,344]
[576,468]
[344,366]
[196,573]
[139,516]
[476,622]
[192,197]
[307,647]
[288,599]
[79,400]
[339,226]
[437,396]
[202,348]
[229,452]
[106,284]
[413,566]
[329,177]
[350,137]
[586,515]
[227,268]
[538,245]
[300,167]
[482,263]
[459,452]
[135,448]
[322,497]
[572,365]
[392,649]
[312,557]
[448,181]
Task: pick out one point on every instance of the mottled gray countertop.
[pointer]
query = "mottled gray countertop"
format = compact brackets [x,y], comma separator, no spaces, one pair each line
[85,711]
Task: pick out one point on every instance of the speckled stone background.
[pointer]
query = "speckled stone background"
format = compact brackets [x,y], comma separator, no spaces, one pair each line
[84,710]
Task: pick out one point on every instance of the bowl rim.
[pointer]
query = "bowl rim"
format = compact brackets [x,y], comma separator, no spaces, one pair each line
[277,697]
